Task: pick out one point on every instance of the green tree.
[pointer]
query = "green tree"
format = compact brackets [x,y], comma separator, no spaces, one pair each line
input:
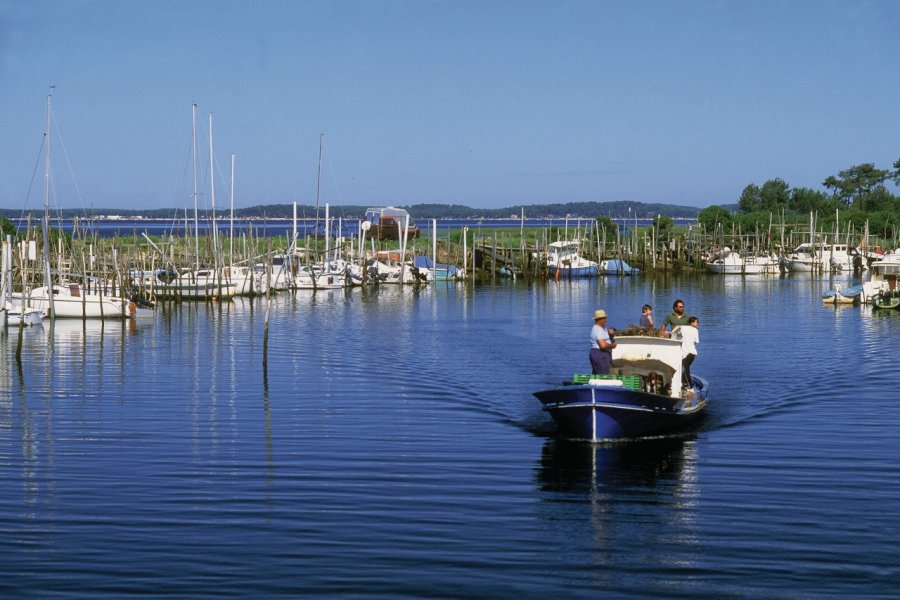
[664,226]
[804,200]
[608,224]
[853,186]
[774,195]
[881,199]
[750,200]
[7,227]
[711,215]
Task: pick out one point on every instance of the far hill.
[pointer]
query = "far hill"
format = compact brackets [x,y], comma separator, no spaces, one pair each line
[618,209]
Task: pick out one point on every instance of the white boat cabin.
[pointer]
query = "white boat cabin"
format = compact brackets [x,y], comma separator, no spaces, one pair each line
[656,360]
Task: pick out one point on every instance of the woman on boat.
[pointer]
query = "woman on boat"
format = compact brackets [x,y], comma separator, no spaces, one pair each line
[601,344]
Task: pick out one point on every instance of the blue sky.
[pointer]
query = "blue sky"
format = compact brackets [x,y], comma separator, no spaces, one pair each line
[484,103]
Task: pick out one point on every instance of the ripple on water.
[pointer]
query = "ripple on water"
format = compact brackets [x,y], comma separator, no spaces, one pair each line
[393,448]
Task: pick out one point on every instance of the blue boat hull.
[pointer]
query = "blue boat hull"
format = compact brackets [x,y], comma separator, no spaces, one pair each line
[611,413]
[574,273]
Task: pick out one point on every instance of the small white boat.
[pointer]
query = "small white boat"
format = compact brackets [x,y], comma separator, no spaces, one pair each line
[16,316]
[386,267]
[841,296]
[730,262]
[331,276]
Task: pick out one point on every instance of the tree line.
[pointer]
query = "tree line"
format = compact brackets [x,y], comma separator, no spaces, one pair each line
[859,193]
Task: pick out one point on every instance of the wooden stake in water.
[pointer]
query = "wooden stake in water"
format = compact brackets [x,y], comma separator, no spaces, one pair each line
[265,361]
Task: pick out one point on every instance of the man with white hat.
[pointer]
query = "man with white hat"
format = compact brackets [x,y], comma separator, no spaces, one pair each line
[601,344]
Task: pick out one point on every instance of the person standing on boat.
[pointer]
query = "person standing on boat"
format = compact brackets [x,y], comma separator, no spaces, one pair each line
[690,337]
[675,319]
[601,344]
[646,316]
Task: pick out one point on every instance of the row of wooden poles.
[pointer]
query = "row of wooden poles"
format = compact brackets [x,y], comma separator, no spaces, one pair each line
[93,261]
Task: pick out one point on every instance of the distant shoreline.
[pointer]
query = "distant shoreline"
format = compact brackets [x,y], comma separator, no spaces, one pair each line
[584,210]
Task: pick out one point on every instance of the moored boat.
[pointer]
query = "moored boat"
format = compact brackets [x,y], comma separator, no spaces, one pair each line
[438,271]
[615,266]
[822,256]
[71,301]
[643,396]
[202,284]
[887,300]
[16,316]
[389,223]
[841,296]
[884,278]
[564,261]
[730,262]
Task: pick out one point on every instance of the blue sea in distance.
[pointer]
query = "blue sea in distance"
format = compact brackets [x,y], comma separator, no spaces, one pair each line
[107,228]
[393,449]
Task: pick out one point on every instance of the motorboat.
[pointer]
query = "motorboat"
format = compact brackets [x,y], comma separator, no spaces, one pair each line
[731,262]
[838,295]
[438,271]
[809,257]
[333,275]
[884,277]
[887,300]
[387,267]
[388,222]
[616,266]
[277,274]
[642,396]
[565,261]
[16,316]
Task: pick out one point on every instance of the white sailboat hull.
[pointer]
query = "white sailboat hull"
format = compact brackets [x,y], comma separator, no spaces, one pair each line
[77,305]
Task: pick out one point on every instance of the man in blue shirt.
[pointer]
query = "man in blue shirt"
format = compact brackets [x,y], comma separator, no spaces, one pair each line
[601,344]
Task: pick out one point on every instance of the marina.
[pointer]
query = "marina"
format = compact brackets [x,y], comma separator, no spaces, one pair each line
[296,300]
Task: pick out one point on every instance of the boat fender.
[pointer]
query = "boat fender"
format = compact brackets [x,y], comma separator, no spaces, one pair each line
[132,309]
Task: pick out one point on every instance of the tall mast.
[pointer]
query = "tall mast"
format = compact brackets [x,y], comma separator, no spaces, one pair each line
[194,166]
[318,180]
[212,194]
[231,227]
[46,225]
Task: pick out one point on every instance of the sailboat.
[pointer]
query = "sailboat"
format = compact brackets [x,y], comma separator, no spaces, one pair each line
[331,273]
[66,299]
[199,283]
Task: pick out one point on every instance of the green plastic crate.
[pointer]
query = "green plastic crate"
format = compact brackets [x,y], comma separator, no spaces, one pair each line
[632,382]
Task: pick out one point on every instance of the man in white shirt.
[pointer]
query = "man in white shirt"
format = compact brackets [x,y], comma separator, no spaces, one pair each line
[690,337]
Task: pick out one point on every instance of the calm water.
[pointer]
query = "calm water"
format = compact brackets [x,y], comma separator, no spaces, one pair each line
[395,450]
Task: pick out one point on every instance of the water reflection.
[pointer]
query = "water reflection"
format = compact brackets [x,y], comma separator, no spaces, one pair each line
[645,491]
[572,466]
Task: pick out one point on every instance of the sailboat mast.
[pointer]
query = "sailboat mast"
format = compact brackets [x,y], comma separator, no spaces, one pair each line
[318,180]
[212,194]
[46,225]
[231,225]
[194,168]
